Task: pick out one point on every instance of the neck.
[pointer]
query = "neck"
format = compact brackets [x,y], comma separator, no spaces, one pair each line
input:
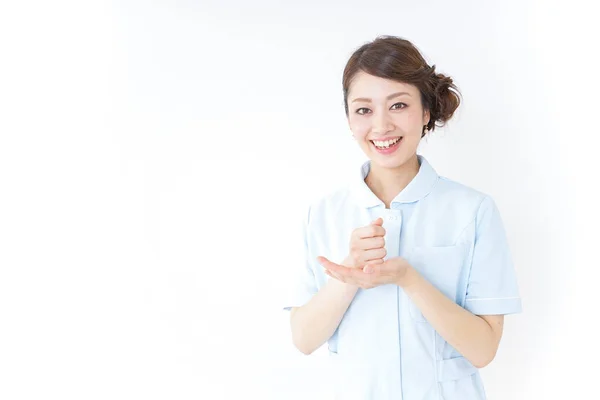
[386,183]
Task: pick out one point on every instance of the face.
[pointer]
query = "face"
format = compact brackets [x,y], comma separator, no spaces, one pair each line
[386,118]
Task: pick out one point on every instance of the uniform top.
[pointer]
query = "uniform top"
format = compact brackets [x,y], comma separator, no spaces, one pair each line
[452,235]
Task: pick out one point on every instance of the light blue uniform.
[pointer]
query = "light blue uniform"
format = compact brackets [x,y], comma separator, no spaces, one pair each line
[454,236]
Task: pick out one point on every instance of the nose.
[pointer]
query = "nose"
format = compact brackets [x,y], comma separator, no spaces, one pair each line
[381,123]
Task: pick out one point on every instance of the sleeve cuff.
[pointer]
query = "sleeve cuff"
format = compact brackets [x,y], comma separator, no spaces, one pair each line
[494,305]
[298,301]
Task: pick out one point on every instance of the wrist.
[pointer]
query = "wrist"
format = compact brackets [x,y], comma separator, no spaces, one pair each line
[409,279]
[344,288]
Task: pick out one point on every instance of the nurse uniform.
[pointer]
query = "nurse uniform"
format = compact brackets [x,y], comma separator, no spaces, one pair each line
[453,236]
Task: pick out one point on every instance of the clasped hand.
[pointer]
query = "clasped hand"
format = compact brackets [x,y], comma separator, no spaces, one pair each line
[364,267]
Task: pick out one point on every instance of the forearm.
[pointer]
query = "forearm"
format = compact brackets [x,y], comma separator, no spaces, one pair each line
[316,321]
[469,334]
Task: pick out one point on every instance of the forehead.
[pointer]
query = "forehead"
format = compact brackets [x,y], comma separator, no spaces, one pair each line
[373,87]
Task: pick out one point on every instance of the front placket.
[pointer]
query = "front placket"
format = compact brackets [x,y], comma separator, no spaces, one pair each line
[392,222]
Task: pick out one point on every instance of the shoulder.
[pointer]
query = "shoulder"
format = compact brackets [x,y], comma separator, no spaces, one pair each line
[456,197]
[449,190]
[459,209]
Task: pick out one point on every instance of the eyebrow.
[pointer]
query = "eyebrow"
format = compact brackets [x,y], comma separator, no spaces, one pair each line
[391,96]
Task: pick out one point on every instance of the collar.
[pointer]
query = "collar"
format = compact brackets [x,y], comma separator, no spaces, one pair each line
[419,187]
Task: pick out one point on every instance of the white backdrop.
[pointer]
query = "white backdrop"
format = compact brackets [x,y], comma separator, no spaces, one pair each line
[156,157]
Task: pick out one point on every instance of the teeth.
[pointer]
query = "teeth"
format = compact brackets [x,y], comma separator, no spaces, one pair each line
[385,144]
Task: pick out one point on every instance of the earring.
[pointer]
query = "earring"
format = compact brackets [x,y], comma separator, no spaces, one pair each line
[425,130]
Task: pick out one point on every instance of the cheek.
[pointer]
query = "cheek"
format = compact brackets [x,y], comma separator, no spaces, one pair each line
[360,127]
[408,121]
[411,141]
[410,126]
[416,121]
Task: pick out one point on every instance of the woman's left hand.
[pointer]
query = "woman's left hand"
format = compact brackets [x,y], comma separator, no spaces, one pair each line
[394,270]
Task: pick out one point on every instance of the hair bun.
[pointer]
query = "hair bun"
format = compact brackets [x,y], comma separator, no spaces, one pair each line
[446,100]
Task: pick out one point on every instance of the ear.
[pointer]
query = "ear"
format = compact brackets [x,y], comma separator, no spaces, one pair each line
[426,117]
[350,127]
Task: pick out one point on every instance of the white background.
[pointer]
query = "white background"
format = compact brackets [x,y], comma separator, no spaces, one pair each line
[156,157]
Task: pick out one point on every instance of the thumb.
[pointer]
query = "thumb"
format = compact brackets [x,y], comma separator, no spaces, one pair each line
[378,221]
[370,268]
[324,261]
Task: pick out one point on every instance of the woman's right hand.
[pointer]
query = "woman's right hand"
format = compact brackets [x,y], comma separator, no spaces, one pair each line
[367,245]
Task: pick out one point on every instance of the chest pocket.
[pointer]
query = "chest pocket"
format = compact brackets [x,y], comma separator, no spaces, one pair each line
[443,267]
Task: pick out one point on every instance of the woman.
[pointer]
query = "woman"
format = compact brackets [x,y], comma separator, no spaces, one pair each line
[425,278]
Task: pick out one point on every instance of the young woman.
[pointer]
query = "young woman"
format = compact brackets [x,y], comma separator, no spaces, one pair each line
[408,274]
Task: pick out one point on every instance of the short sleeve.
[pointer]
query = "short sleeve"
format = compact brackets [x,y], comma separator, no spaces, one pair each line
[302,283]
[492,287]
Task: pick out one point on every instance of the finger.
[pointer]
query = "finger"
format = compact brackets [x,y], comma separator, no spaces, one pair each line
[324,261]
[334,276]
[378,221]
[373,267]
[369,231]
[367,256]
[333,267]
[362,264]
[345,274]
[370,243]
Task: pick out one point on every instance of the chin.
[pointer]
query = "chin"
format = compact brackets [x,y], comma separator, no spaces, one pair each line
[403,154]
[391,162]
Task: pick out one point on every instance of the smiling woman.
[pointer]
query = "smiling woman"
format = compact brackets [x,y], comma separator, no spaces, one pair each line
[391,93]
[417,302]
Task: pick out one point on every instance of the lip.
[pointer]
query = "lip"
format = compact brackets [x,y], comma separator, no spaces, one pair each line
[383,139]
[388,150]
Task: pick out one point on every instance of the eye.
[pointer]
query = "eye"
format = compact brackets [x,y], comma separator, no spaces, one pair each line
[401,106]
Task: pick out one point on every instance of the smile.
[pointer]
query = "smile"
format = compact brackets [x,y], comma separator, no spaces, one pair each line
[387,146]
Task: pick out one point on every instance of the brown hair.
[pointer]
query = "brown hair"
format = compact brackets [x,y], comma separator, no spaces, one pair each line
[398,59]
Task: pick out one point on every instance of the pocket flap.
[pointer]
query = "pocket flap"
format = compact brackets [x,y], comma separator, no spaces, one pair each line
[441,266]
[454,368]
